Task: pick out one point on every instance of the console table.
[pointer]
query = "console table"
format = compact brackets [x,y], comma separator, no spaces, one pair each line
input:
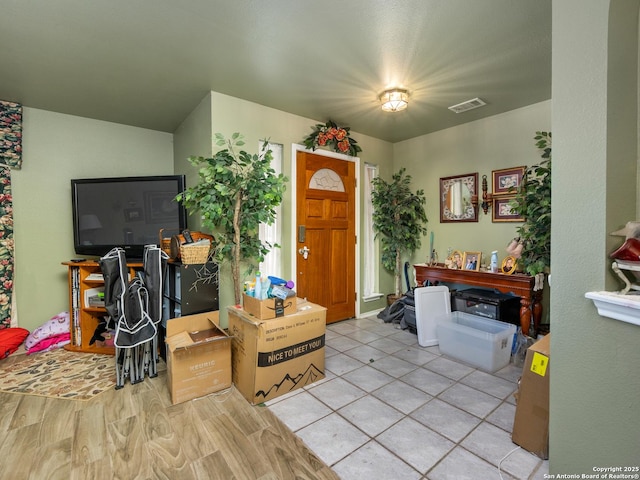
[518,284]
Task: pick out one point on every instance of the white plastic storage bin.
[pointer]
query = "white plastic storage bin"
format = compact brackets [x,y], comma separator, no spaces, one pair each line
[482,342]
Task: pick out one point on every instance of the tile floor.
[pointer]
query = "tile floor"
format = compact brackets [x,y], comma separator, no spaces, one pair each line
[390,409]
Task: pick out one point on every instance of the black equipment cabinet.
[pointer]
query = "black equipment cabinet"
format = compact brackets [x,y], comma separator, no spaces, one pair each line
[487,303]
[181,297]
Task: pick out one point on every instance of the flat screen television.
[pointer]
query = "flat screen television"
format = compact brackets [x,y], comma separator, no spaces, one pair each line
[125,212]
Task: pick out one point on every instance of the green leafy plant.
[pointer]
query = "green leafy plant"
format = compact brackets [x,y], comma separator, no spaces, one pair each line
[237,192]
[398,219]
[333,136]
[533,203]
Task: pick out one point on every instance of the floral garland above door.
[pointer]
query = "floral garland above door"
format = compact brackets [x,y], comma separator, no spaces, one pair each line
[331,135]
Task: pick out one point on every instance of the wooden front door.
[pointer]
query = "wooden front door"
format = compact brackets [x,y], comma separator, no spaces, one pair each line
[326,234]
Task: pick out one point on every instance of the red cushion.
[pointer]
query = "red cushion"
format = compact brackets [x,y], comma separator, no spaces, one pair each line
[11,339]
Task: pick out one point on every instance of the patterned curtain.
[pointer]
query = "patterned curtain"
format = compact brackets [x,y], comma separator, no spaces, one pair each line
[10,157]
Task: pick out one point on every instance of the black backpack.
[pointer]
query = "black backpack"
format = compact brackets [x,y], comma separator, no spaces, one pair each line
[393,313]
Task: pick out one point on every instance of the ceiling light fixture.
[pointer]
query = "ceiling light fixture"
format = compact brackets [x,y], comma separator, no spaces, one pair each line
[394,100]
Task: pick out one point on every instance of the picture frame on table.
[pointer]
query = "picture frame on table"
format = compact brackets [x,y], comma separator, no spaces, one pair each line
[507,180]
[509,265]
[471,261]
[456,260]
[502,211]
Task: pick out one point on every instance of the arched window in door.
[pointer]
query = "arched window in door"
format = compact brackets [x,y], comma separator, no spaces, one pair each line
[326,179]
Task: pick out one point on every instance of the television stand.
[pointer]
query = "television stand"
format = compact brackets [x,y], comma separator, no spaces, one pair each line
[179,298]
[84,313]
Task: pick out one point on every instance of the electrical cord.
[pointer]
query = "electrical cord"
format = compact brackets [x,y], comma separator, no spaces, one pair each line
[503,459]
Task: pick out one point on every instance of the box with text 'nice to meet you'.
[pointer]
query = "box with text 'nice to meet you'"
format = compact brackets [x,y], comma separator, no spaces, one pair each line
[273,357]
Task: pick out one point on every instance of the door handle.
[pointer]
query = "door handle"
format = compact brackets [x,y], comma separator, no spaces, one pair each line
[304,251]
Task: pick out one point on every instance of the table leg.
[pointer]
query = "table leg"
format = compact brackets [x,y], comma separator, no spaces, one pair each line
[525,315]
[537,311]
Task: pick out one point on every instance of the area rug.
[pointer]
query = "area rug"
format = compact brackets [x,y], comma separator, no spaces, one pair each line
[60,374]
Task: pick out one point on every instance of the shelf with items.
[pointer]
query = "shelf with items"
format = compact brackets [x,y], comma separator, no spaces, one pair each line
[85,278]
[623,305]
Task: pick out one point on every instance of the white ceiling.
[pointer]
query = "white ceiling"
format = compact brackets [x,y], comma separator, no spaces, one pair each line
[148,63]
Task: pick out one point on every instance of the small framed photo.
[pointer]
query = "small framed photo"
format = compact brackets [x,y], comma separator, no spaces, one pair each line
[509,265]
[502,210]
[133,214]
[455,261]
[507,180]
[471,261]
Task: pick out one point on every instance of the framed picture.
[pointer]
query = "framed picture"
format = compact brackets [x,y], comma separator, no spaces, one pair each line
[471,261]
[455,261]
[507,180]
[459,198]
[133,214]
[160,206]
[509,265]
[503,212]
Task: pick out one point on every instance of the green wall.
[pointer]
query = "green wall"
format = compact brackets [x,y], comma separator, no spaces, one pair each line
[494,143]
[57,148]
[498,142]
[595,385]
[256,122]
[60,147]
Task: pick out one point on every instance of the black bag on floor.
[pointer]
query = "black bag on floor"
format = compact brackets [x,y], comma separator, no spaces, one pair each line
[392,313]
[409,300]
[409,316]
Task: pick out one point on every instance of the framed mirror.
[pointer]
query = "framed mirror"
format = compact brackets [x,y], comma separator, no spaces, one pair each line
[459,198]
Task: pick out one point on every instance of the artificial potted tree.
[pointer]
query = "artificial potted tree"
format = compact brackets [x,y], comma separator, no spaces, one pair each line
[399,221]
[237,192]
[533,203]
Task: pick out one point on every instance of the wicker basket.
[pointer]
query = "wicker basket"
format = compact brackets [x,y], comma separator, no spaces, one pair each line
[164,237]
[194,254]
[174,250]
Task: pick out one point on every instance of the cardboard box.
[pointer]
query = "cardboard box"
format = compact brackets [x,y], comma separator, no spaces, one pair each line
[274,357]
[198,356]
[269,308]
[531,422]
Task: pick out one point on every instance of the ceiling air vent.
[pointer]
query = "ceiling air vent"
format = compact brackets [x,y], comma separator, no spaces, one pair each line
[468,105]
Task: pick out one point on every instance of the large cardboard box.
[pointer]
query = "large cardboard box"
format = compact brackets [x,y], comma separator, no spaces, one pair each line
[274,357]
[269,308]
[198,356]
[531,422]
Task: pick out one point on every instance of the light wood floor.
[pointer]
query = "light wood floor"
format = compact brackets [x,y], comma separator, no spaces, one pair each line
[135,433]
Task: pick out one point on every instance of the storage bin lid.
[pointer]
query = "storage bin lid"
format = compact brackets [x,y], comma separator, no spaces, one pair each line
[431,302]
